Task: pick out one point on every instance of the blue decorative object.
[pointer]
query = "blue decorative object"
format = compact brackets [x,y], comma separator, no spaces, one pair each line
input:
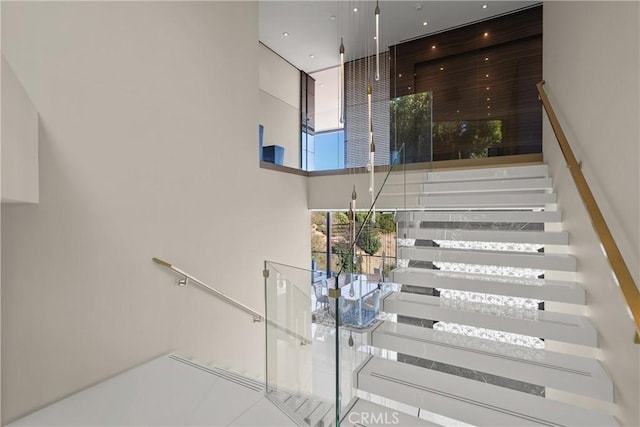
[395,157]
[273,154]
[260,140]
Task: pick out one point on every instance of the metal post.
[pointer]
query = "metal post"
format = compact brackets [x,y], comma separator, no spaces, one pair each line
[328,245]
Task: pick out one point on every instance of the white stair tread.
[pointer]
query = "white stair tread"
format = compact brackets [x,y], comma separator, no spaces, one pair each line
[493,185]
[541,261]
[501,198]
[324,411]
[467,400]
[528,171]
[521,287]
[535,323]
[494,200]
[510,236]
[469,186]
[369,414]
[549,369]
[509,216]
[294,402]
[312,407]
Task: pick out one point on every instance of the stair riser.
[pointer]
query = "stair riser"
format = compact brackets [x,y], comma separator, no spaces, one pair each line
[565,294]
[565,331]
[533,237]
[481,216]
[534,171]
[469,187]
[508,200]
[484,186]
[517,260]
[513,368]
[466,201]
[468,401]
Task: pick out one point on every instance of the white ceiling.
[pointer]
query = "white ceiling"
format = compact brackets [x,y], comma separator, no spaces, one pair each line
[312,31]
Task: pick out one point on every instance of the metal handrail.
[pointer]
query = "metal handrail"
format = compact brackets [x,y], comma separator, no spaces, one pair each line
[257,317]
[619,267]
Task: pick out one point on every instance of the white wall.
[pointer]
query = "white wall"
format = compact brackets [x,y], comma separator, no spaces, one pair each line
[0,219]
[327,103]
[279,84]
[19,141]
[148,135]
[591,69]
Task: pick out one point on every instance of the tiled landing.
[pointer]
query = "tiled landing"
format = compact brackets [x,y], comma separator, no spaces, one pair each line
[168,391]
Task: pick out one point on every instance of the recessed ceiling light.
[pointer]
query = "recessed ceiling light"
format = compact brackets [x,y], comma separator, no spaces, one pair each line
[433,47]
[441,68]
[374,37]
[418,7]
[409,88]
[321,84]
[488,99]
[312,56]
[400,75]
[488,88]
[457,111]
[486,75]
[484,6]
[425,23]
[486,34]
[285,34]
[486,58]
[333,17]
[489,106]
[355,9]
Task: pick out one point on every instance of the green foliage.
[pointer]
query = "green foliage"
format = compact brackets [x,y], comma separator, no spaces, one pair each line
[368,240]
[340,218]
[385,223]
[386,270]
[361,216]
[467,139]
[410,124]
[345,259]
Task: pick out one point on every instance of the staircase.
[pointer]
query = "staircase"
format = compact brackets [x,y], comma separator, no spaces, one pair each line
[467,331]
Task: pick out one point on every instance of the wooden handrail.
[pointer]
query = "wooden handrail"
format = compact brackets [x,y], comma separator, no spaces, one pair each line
[619,267]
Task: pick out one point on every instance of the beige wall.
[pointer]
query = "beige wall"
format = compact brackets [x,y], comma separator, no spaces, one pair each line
[591,69]
[19,141]
[279,84]
[143,152]
[0,221]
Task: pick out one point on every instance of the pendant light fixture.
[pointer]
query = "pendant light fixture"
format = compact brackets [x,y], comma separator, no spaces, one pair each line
[372,151]
[341,83]
[377,13]
[352,210]
[372,155]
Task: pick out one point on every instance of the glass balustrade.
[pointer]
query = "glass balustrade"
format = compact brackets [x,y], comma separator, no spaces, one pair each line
[318,319]
[357,310]
[300,348]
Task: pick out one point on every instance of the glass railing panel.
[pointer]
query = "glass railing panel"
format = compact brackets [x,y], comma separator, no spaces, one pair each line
[412,126]
[300,344]
[360,280]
